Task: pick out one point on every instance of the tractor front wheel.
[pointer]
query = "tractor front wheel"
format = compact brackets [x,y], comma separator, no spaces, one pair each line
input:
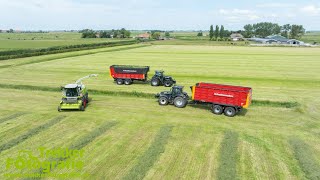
[163,101]
[217,109]
[180,102]
[59,108]
[168,83]
[119,81]
[230,111]
[155,82]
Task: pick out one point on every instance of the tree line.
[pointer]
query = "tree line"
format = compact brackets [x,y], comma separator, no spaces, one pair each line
[264,29]
[218,34]
[119,33]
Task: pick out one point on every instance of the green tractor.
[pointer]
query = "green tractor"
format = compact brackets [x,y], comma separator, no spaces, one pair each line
[75,96]
[160,79]
[175,96]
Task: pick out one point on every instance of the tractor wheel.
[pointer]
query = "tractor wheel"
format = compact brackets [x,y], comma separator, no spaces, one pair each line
[180,102]
[127,81]
[168,83]
[82,108]
[163,101]
[155,82]
[59,108]
[230,111]
[217,109]
[119,81]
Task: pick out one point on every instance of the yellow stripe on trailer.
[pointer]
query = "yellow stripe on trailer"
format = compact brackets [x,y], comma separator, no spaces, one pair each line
[110,73]
[193,91]
[248,100]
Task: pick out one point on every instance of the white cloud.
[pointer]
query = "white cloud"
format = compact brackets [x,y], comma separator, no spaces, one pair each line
[276,5]
[234,15]
[311,10]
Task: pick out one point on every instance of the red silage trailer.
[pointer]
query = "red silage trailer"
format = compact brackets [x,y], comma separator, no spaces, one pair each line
[224,98]
[126,73]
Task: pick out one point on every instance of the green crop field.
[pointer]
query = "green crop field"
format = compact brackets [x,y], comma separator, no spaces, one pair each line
[125,134]
[12,41]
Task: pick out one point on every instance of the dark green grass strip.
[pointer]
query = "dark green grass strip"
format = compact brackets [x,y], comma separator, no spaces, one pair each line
[85,140]
[151,155]
[12,116]
[306,159]
[72,55]
[141,95]
[228,156]
[30,133]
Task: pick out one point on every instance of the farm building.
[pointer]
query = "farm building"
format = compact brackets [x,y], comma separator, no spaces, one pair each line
[143,36]
[236,36]
[276,39]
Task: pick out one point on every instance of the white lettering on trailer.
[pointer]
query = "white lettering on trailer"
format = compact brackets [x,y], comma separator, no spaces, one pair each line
[129,70]
[224,95]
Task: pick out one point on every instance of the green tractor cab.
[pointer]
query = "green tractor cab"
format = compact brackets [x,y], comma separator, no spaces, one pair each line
[160,79]
[175,96]
[74,96]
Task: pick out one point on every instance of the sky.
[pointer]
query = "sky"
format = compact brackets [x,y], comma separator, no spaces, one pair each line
[154,14]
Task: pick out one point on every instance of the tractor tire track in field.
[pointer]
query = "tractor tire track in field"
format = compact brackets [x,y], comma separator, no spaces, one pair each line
[303,153]
[71,55]
[228,156]
[12,116]
[86,139]
[151,155]
[267,103]
[31,133]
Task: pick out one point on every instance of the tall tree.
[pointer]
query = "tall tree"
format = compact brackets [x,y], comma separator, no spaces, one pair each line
[211,34]
[297,31]
[216,32]
[222,35]
[248,31]
[285,30]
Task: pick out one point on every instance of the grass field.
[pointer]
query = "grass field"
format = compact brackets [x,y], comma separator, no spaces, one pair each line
[11,41]
[125,134]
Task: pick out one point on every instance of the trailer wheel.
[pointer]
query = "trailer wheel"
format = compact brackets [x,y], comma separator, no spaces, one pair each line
[230,111]
[155,82]
[168,83]
[119,81]
[163,101]
[180,102]
[127,81]
[217,109]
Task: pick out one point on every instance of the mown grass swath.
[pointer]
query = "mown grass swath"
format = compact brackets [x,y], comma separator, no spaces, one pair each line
[4,55]
[86,139]
[305,157]
[31,133]
[228,156]
[151,155]
[12,116]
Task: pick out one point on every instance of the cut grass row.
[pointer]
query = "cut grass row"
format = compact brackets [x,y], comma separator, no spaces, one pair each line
[31,133]
[266,103]
[151,155]
[306,159]
[12,116]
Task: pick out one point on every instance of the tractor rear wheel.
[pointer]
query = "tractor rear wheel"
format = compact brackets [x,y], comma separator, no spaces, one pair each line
[230,111]
[217,109]
[119,81]
[180,102]
[155,82]
[163,101]
[168,83]
[127,81]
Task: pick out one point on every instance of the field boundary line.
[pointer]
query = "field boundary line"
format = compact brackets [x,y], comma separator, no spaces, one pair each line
[30,133]
[83,53]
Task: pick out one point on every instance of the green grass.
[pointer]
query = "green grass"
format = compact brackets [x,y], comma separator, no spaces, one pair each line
[286,93]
